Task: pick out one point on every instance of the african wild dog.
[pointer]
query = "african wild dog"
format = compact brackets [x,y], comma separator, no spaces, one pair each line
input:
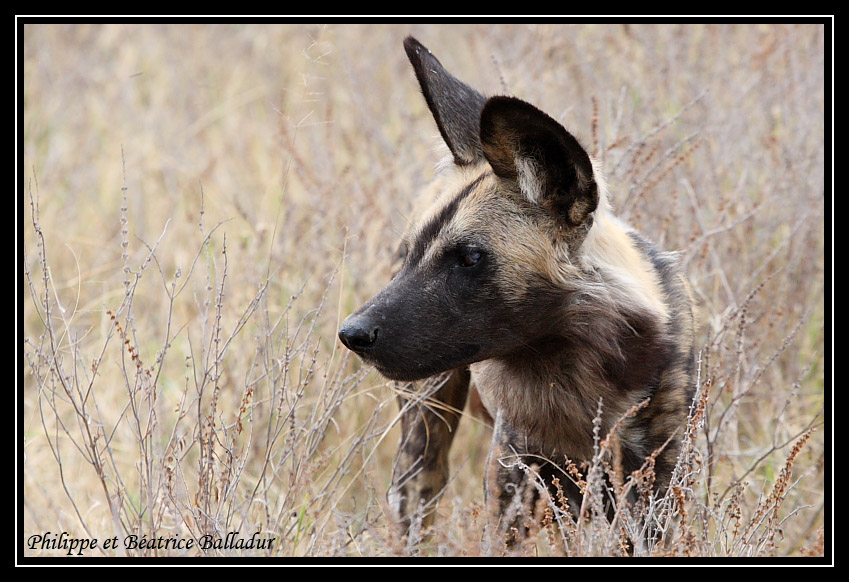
[520,280]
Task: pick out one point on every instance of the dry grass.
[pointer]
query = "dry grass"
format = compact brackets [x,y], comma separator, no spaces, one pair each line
[201,205]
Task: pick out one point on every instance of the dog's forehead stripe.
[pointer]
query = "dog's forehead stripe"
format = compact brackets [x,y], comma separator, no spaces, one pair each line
[433,227]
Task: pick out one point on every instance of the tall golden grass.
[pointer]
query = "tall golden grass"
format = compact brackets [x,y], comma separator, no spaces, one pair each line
[202,204]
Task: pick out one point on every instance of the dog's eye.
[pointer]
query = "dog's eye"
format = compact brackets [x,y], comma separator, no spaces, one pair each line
[469,257]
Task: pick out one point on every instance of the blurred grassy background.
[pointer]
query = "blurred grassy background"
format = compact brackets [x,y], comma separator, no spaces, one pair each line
[311,142]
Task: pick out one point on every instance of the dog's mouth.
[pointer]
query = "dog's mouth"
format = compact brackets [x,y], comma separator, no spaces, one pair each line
[397,374]
[394,365]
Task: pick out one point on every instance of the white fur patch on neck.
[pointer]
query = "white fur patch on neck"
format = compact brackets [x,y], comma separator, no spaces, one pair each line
[631,277]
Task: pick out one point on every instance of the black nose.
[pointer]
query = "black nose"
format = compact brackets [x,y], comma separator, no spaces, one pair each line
[358,335]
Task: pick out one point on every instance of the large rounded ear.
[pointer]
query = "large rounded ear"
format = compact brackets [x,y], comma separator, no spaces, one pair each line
[525,146]
[455,106]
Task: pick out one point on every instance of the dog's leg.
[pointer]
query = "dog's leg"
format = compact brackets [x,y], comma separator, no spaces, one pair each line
[421,464]
[513,477]
[507,492]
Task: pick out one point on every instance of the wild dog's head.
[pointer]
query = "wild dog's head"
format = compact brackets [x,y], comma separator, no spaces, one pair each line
[485,270]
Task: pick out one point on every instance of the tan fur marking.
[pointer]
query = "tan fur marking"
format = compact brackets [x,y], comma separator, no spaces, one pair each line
[448,184]
[609,249]
[501,219]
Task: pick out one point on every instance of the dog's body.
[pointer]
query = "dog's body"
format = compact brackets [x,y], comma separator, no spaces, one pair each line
[519,280]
